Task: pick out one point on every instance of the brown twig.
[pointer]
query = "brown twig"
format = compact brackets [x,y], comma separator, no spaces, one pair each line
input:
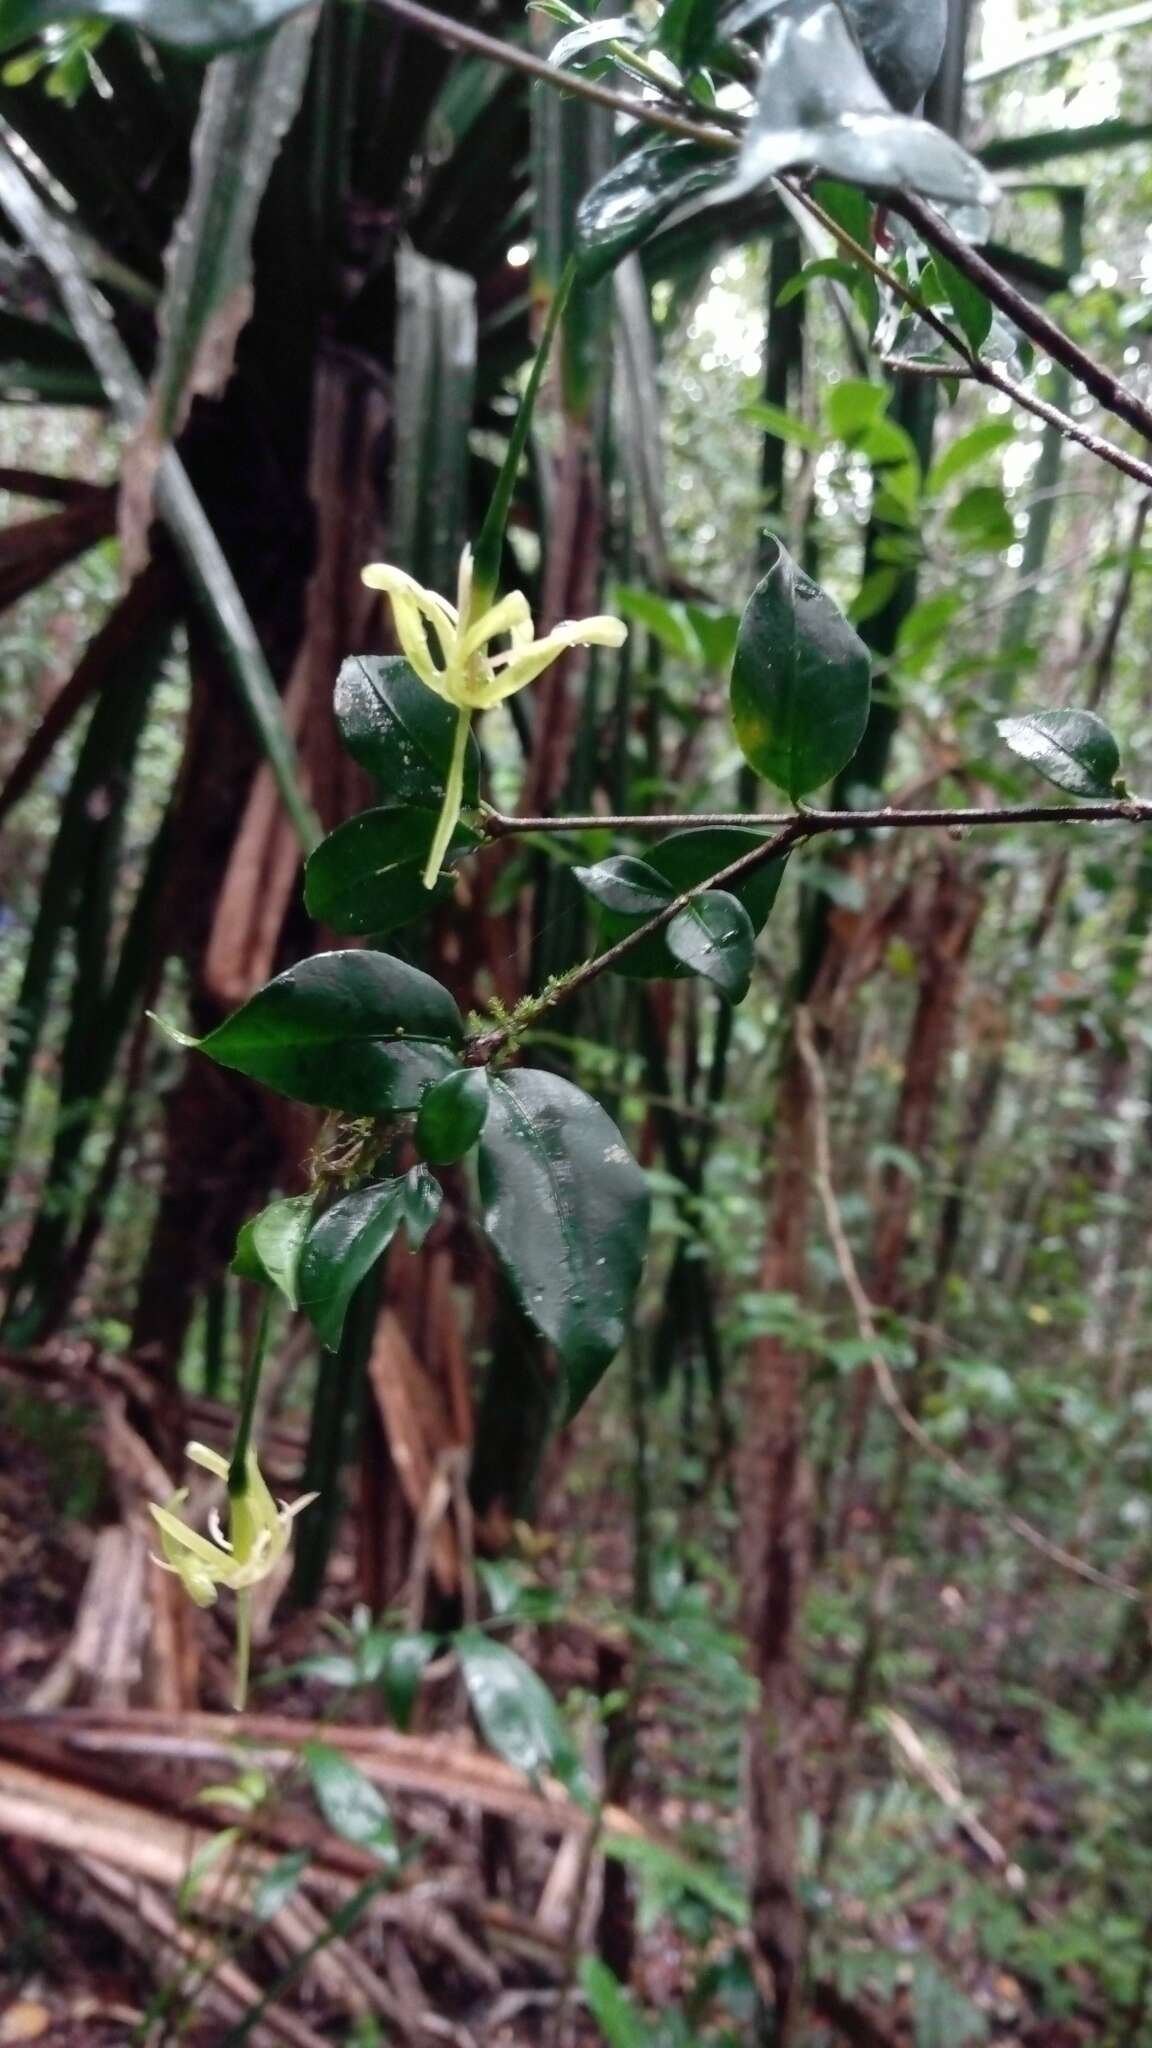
[1040,328]
[800,827]
[882,1371]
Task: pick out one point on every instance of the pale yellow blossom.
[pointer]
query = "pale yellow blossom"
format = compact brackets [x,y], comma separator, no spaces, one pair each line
[450,648]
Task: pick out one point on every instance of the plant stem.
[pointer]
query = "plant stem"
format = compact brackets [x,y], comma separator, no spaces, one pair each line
[799,828]
[490,544]
[461,37]
[453,798]
[238,1468]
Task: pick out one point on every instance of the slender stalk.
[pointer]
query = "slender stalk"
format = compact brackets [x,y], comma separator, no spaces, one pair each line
[459,36]
[810,824]
[804,825]
[238,1468]
[490,543]
[453,797]
[1114,396]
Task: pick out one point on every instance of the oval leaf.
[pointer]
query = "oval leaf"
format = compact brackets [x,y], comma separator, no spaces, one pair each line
[452,1114]
[819,107]
[566,1208]
[515,1712]
[1073,749]
[714,937]
[368,875]
[268,1246]
[339,1251]
[801,682]
[356,1031]
[350,1802]
[626,885]
[400,731]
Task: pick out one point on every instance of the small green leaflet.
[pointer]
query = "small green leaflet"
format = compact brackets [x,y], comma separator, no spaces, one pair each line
[626,885]
[268,1246]
[566,1209]
[452,1115]
[963,454]
[356,1031]
[340,1251]
[1073,749]
[350,1802]
[515,1712]
[714,937]
[801,682]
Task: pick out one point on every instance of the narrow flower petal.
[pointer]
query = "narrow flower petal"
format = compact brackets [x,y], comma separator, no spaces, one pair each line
[510,614]
[525,665]
[212,1461]
[411,606]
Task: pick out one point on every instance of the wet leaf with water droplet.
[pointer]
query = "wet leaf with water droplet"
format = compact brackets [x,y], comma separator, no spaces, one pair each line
[714,937]
[340,1251]
[566,1208]
[801,682]
[400,731]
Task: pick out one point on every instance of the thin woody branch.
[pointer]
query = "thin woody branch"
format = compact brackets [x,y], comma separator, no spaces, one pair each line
[795,831]
[1111,393]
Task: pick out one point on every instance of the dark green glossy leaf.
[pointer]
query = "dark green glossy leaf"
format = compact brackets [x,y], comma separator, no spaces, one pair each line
[633,199]
[801,682]
[368,875]
[341,1249]
[819,107]
[399,730]
[1073,749]
[197,26]
[625,884]
[452,1114]
[268,1246]
[714,938]
[350,1802]
[515,1712]
[356,1031]
[566,1207]
[278,1884]
[683,861]
[422,1200]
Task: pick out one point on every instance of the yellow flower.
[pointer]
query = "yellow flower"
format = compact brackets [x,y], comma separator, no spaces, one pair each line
[259,1534]
[468,674]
